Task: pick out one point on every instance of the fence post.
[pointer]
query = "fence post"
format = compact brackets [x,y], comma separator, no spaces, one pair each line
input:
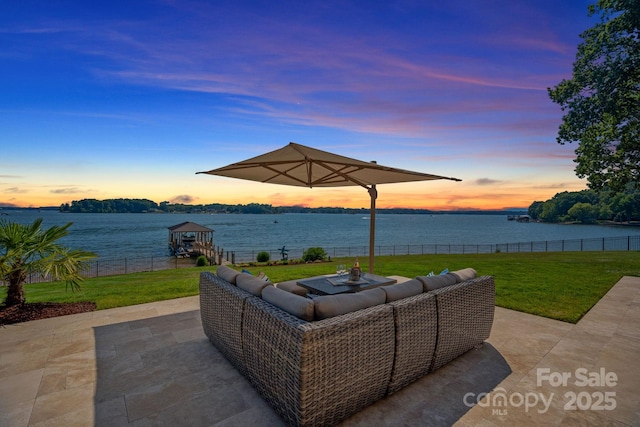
[233,257]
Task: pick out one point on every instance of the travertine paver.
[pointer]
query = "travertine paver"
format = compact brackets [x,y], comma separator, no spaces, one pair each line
[152,365]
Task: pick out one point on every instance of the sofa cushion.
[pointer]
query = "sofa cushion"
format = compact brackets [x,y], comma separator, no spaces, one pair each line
[227,273]
[431,283]
[402,290]
[334,305]
[293,287]
[464,274]
[251,284]
[291,303]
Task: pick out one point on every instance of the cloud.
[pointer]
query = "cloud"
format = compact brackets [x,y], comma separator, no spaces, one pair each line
[555,186]
[487,181]
[183,198]
[15,190]
[322,74]
[67,190]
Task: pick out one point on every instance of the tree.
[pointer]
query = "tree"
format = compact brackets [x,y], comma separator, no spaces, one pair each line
[550,212]
[602,100]
[29,249]
[535,210]
[585,213]
[625,206]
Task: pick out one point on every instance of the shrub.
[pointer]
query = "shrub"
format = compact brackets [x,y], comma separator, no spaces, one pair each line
[263,256]
[202,261]
[314,254]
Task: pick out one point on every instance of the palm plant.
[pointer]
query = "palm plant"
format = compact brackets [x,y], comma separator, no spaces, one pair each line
[28,249]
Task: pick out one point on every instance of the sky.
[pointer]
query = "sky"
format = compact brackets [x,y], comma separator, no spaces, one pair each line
[121,99]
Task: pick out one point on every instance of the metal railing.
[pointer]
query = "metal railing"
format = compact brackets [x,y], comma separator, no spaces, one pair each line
[622,243]
[113,266]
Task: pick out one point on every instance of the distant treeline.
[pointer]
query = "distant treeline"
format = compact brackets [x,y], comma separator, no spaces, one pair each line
[588,207]
[149,206]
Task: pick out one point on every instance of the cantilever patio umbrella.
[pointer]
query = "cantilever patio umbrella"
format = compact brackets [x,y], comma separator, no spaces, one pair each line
[303,166]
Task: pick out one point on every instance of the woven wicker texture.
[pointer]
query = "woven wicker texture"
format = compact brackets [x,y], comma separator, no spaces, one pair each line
[416,324]
[319,373]
[465,317]
[221,309]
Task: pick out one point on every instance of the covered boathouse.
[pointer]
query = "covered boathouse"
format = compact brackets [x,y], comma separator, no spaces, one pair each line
[189,238]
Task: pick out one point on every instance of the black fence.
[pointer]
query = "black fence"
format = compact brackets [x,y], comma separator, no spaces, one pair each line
[110,267]
[113,266]
[623,243]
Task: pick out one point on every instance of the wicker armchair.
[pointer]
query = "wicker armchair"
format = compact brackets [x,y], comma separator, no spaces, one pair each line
[465,317]
[221,309]
[416,330]
[318,373]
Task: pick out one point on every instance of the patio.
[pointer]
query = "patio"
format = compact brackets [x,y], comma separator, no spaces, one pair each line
[151,364]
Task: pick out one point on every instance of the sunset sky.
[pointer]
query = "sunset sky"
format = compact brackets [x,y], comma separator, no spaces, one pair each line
[121,99]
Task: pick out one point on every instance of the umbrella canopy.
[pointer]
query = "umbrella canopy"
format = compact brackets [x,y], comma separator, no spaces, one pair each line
[303,166]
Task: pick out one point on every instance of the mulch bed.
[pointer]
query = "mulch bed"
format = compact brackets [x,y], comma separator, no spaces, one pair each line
[42,310]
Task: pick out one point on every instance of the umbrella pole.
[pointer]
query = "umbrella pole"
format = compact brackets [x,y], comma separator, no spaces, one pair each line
[372,226]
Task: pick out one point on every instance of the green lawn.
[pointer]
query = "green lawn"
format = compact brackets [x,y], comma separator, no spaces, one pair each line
[563,285]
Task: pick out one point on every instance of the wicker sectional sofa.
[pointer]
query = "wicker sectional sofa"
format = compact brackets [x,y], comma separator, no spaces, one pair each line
[317,372]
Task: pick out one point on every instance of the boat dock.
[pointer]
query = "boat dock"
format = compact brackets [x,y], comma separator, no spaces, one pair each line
[189,239]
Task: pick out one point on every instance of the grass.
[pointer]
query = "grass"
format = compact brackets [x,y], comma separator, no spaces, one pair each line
[562,286]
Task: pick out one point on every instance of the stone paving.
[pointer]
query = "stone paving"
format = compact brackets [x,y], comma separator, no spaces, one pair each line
[151,365]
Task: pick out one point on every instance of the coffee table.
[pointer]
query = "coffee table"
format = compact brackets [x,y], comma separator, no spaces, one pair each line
[332,285]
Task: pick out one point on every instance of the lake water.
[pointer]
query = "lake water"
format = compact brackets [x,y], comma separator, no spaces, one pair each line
[145,235]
